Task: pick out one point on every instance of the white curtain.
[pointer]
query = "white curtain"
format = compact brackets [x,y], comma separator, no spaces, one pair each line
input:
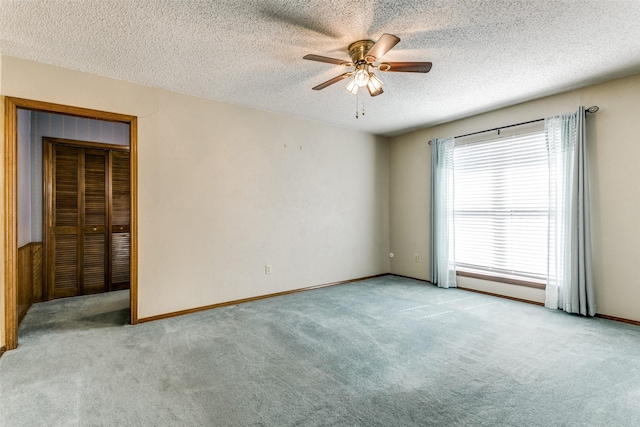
[442,261]
[570,282]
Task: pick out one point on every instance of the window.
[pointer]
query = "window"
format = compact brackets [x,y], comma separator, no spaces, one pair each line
[501,207]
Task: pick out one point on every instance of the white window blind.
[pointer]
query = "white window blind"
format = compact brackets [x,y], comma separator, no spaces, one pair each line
[501,207]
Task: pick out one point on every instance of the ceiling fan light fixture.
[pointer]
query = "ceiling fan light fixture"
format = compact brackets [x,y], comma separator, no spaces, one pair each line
[352,86]
[374,85]
[364,55]
[361,76]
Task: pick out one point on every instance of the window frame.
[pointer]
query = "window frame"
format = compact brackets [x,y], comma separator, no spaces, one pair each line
[486,275]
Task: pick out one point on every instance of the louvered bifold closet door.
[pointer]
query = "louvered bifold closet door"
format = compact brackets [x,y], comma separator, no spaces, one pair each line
[79,229]
[120,220]
[94,222]
[65,223]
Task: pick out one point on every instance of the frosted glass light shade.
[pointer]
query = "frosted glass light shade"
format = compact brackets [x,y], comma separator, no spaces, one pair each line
[353,87]
[361,77]
[374,85]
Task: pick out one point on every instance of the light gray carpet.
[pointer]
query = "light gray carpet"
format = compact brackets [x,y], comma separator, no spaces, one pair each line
[383,352]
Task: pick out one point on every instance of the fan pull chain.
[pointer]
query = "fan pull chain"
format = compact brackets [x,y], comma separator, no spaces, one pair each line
[358,105]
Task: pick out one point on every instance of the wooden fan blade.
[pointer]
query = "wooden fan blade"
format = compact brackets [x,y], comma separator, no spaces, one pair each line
[327,60]
[332,81]
[406,67]
[384,44]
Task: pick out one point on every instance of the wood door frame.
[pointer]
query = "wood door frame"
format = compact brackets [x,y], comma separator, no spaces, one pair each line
[11,201]
[48,144]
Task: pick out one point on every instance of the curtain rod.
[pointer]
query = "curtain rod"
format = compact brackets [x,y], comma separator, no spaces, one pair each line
[498,128]
[593,109]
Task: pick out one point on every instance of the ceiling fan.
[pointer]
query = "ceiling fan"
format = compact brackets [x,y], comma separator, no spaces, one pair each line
[364,54]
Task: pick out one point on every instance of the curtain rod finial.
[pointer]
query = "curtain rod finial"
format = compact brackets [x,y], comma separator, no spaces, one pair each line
[593,109]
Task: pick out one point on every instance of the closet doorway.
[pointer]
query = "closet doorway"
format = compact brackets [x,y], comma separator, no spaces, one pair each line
[14,291]
[86,218]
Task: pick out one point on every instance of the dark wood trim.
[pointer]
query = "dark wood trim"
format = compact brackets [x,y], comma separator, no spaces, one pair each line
[618,319]
[477,291]
[602,316]
[10,224]
[240,301]
[108,202]
[412,278]
[133,220]
[11,105]
[30,244]
[29,277]
[502,280]
[502,296]
[2,350]
[25,285]
[88,113]
[37,288]
[488,278]
[87,144]
[47,211]
[80,200]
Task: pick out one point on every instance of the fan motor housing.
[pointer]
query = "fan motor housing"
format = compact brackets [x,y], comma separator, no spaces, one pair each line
[358,50]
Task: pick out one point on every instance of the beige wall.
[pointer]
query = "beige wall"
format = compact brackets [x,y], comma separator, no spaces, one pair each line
[614,150]
[224,190]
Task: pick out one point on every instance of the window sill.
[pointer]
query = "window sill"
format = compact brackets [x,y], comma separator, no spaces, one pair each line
[517,282]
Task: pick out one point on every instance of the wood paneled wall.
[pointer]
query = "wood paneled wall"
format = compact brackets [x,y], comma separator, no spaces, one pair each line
[29,277]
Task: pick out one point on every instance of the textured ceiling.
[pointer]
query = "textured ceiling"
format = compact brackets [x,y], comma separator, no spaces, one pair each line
[485,54]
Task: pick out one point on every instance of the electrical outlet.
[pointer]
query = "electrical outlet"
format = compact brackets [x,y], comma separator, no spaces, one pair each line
[416,257]
[267,270]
